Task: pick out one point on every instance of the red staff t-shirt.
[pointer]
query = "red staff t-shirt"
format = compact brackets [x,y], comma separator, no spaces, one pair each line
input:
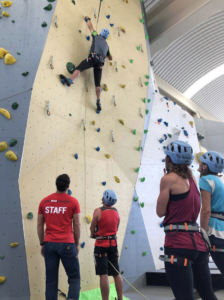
[58,210]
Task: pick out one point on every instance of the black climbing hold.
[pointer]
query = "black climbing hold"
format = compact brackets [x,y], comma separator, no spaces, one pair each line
[13,142]
[15,105]
[70,67]
[48,7]
[25,74]
[44,24]
[30,215]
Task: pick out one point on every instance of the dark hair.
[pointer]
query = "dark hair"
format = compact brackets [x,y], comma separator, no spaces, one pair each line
[207,171]
[182,170]
[62,182]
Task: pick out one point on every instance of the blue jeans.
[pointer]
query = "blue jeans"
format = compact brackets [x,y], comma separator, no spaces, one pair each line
[53,252]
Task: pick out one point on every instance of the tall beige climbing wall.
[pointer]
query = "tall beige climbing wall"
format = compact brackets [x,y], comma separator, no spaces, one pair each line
[51,141]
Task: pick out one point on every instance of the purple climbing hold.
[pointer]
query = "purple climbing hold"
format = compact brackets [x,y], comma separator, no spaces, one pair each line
[98,130]
[108,16]
[104,183]
[88,38]
[161,141]
[98,149]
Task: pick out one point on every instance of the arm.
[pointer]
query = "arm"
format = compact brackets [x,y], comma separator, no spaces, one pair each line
[206,209]
[118,223]
[77,229]
[109,56]
[94,222]
[164,196]
[40,231]
[89,24]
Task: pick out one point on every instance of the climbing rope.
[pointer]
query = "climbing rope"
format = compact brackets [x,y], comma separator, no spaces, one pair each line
[98,16]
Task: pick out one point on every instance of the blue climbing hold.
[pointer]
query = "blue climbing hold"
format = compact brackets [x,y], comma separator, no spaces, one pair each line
[163,160]
[69,192]
[161,224]
[159,120]
[174,103]
[83,245]
[98,130]
[165,136]
[98,111]
[164,147]
[185,133]
[165,123]
[182,127]
[111,25]
[168,110]
[88,38]
[161,248]
[192,166]
[166,98]
[108,16]
[161,141]
[76,156]
[104,183]
[156,91]
[98,149]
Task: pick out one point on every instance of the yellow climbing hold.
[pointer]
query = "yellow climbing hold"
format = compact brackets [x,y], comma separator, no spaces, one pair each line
[11,156]
[3,146]
[123,29]
[88,219]
[93,122]
[13,245]
[105,88]
[9,59]
[111,64]
[121,121]
[123,86]
[117,179]
[108,156]
[109,37]
[3,52]
[7,3]
[198,155]
[2,279]
[5,14]
[5,113]
[191,123]
[123,66]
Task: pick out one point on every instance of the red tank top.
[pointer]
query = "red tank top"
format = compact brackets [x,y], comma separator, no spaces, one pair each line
[185,210]
[107,225]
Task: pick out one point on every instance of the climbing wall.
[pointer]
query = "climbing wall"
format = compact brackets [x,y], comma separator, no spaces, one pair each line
[51,141]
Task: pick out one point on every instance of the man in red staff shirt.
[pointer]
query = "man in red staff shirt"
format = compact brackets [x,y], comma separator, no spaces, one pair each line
[60,241]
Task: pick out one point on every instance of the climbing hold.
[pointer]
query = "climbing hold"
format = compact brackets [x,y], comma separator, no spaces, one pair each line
[142,204]
[83,245]
[3,52]
[161,224]
[163,160]
[123,29]
[88,219]
[69,192]
[5,14]
[149,100]
[121,121]
[146,83]
[48,7]
[136,199]
[123,66]
[50,0]
[70,115]
[131,61]
[76,156]
[15,105]
[25,74]
[192,124]
[111,25]
[70,67]
[98,130]
[13,245]
[80,31]
[97,149]
[18,53]
[146,131]
[123,86]
[73,1]
[104,183]
[164,147]
[147,111]
[2,279]
[169,135]
[98,112]
[142,179]
[144,100]
[108,156]
[13,142]
[165,123]
[105,88]
[186,133]
[136,170]
[126,247]
[7,3]
[30,215]
[182,127]
[13,21]
[142,20]
[108,16]
[111,64]
[11,156]
[161,141]
[159,121]
[139,148]
[134,131]
[156,91]
[3,146]
[44,24]
[88,38]
[165,137]
[9,59]
[117,179]
[139,48]
[144,253]
[161,248]
[147,76]
[146,37]
[2,256]
[174,103]
[133,231]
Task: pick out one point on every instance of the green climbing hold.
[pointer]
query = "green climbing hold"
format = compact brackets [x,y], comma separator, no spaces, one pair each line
[133,231]
[13,21]
[169,135]
[144,100]
[147,37]
[142,204]
[18,53]
[141,1]
[137,170]
[147,76]
[131,61]
[48,7]
[149,100]
[139,148]
[146,83]
[136,199]
[13,142]
[143,14]
[44,24]
[139,48]
[142,179]
[2,256]
[73,1]
[80,31]
[25,74]
[70,115]
[70,67]
[144,253]
[30,215]
[134,131]
[142,20]
[15,105]
[146,131]
[147,111]
[50,0]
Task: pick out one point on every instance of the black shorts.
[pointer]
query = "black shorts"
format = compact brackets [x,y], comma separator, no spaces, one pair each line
[102,265]
[94,63]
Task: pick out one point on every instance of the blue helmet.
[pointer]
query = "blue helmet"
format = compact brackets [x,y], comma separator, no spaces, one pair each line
[214,160]
[105,33]
[180,153]
[110,197]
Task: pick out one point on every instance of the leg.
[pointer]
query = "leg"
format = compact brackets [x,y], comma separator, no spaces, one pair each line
[101,266]
[75,75]
[98,92]
[218,258]
[104,287]
[52,260]
[202,277]
[97,77]
[70,262]
[113,259]
[119,286]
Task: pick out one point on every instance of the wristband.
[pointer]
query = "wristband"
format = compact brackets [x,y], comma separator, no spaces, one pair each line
[42,244]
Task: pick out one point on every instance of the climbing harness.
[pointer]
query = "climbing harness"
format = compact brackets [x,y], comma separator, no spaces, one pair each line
[97,56]
[181,227]
[219,216]
[175,260]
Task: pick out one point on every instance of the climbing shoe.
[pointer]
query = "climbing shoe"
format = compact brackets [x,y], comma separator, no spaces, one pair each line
[98,105]
[66,80]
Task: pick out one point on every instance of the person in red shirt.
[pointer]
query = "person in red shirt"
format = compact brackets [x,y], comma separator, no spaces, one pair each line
[104,229]
[61,240]
[186,252]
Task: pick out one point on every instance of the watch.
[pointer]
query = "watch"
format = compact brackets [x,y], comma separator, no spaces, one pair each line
[42,244]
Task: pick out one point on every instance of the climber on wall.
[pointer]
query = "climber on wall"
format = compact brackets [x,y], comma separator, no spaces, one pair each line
[98,52]
[60,241]
[104,228]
